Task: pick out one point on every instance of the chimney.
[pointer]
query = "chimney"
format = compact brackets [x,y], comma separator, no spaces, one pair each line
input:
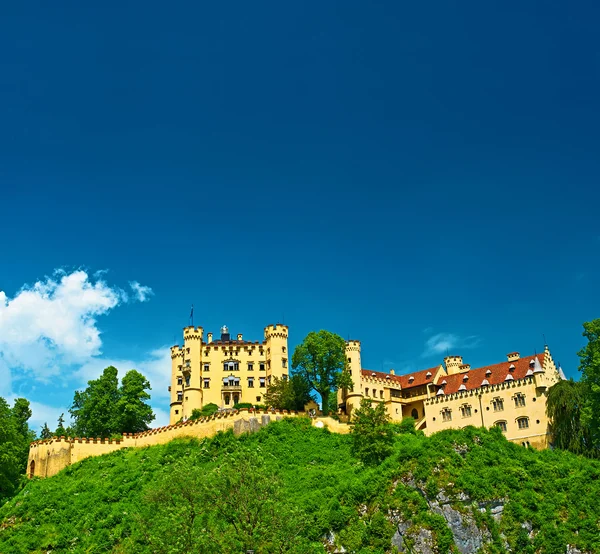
[513,356]
[453,364]
[465,367]
[239,336]
[209,337]
[392,372]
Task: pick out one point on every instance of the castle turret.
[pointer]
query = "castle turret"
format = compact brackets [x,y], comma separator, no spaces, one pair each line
[453,364]
[176,387]
[352,397]
[191,370]
[276,352]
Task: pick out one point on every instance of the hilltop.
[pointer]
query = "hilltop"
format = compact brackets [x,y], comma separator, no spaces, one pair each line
[303,492]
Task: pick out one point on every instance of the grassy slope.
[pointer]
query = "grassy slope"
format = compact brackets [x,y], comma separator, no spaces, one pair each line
[90,507]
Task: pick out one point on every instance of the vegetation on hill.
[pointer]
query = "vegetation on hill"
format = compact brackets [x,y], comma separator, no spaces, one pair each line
[297,489]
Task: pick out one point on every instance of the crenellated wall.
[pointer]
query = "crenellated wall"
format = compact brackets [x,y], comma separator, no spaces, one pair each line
[48,457]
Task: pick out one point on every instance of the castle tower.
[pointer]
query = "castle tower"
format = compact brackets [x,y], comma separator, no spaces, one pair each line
[453,364]
[176,389]
[353,396]
[276,352]
[191,370]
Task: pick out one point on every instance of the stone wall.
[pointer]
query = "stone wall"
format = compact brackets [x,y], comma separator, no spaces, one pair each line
[48,457]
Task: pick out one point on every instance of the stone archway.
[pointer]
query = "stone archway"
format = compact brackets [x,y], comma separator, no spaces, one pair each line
[415,414]
[31,468]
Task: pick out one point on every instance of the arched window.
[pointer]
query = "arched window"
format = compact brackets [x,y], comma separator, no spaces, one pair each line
[501,424]
[523,422]
[415,413]
[32,468]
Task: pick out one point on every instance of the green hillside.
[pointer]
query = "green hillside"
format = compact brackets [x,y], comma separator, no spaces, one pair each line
[293,488]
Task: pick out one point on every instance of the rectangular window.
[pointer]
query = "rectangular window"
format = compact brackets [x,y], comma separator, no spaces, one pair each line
[466,411]
[207,383]
[250,382]
[179,380]
[262,382]
[283,349]
[498,404]
[250,366]
[262,367]
[258,398]
[519,400]
[446,415]
[206,367]
[380,394]
[283,362]
[523,423]
[366,392]
[187,381]
[349,360]
[179,396]
[501,425]
[227,400]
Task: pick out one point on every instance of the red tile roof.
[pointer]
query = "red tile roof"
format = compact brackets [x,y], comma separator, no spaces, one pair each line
[380,375]
[420,377]
[498,374]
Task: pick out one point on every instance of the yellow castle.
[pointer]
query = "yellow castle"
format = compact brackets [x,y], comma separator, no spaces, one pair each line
[225,371]
[510,395]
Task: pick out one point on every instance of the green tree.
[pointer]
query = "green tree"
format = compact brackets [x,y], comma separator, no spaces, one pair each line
[589,365]
[60,429]
[45,432]
[321,360]
[15,437]
[566,400]
[237,506]
[372,434]
[104,409]
[205,411]
[288,394]
[132,413]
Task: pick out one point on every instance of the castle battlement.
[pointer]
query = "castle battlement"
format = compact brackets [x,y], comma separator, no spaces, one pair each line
[48,457]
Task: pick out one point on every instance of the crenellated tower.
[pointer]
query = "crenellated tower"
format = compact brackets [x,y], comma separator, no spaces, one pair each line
[192,369]
[351,398]
[276,352]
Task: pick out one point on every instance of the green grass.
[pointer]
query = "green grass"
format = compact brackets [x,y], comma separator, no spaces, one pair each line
[93,506]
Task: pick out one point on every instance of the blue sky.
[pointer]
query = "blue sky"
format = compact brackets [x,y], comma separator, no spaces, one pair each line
[419,177]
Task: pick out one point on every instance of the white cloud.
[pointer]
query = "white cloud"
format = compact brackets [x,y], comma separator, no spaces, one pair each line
[141,292]
[52,324]
[442,343]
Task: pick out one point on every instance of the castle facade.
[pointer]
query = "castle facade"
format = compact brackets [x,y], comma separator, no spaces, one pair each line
[225,371]
[510,395]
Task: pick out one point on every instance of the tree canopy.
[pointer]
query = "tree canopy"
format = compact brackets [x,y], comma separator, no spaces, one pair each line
[372,433]
[589,366]
[321,360]
[104,408]
[15,437]
[288,394]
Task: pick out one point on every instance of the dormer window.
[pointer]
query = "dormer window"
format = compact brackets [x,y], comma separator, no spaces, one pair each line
[428,376]
[531,362]
[462,387]
[511,367]
[488,372]
[466,378]
[443,382]
[411,379]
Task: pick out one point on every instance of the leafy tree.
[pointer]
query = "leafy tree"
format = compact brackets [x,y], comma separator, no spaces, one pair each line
[372,433]
[132,413]
[321,361]
[241,405]
[237,506]
[566,399]
[288,394]
[15,437]
[45,433]
[104,409]
[590,368]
